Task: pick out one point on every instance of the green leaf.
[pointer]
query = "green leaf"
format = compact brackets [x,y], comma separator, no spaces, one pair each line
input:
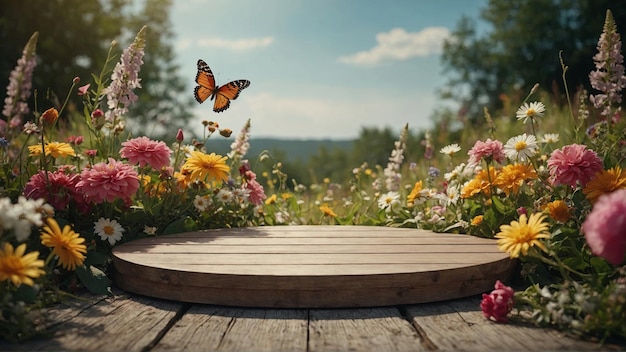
[96,258]
[94,279]
[183,225]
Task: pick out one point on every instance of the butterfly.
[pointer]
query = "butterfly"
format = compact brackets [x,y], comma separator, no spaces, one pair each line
[223,94]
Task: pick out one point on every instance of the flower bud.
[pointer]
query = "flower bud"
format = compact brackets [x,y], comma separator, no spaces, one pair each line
[179,135]
[49,117]
[76,80]
[226,132]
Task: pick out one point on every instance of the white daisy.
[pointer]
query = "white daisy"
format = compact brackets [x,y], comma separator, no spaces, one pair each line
[450,150]
[387,200]
[521,147]
[108,230]
[225,196]
[202,202]
[531,111]
[550,138]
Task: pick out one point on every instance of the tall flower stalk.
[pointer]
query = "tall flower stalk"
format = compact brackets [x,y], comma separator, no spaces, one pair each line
[392,171]
[608,77]
[20,84]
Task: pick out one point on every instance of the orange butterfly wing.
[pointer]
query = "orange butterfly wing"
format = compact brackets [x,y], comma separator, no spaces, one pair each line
[223,95]
[206,83]
[226,93]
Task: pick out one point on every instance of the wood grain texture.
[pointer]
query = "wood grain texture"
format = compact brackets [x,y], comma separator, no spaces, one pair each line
[365,329]
[210,328]
[120,323]
[459,325]
[310,266]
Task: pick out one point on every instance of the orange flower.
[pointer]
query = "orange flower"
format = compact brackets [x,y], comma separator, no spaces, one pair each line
[327,211]
[558,210]
[512,177]
[605,182]
[49,117]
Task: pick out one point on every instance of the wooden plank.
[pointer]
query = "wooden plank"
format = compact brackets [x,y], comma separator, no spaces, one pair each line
[459,325]
[211,328]
[373,329]
[120,323]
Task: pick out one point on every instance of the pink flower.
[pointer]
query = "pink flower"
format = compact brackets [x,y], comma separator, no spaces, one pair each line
[573,164]
[108,181]
[605,227]
[498,303]
[488,149]
[84,89]
[179,135]
[257,193]
[145,151]
[58,189]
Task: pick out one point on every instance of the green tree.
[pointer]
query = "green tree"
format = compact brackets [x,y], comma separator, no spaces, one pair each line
[522,47]
[74,38]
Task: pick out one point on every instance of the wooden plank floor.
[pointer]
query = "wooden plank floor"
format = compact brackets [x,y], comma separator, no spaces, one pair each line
[128,322]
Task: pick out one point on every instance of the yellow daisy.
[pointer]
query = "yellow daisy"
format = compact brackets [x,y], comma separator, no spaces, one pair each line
[56,149]
[18,267]
[66,244]
[327,211]
[605,182]
[415,192]
[519,236]
[202,165]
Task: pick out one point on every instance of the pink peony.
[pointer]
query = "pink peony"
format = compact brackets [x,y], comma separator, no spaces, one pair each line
[109,181]
[498,303]
[145,151]
[58,189]
[573,164]
[488,149]
[605,227]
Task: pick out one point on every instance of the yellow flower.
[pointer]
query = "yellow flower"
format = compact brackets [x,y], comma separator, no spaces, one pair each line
[512,177]
[271,199]
[56,149]
[480,183]
[415,192]
[286,195]
[605,182]
[66,244]
[203,165]
[327,211]
[519,236]
[477,220]
[19,268]
[558,210]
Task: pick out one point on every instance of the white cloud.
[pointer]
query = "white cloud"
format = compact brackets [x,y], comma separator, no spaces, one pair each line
[399,45]
[318,118]
[236,44]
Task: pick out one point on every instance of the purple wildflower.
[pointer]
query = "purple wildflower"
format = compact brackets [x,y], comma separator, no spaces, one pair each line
[20,83]
[609,76]
[125,78]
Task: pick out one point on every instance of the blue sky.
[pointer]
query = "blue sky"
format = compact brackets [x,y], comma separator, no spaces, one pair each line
[319,68]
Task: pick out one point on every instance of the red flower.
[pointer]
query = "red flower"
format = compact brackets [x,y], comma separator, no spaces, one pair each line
[58,189]
[498,303]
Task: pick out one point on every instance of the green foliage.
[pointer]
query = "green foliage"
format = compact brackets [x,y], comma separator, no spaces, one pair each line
[523,34]
[75,36]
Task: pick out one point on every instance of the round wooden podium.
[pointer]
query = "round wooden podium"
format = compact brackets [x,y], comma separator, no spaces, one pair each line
[310,266]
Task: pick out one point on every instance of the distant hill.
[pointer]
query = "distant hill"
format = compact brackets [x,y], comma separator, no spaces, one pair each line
[283,149]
